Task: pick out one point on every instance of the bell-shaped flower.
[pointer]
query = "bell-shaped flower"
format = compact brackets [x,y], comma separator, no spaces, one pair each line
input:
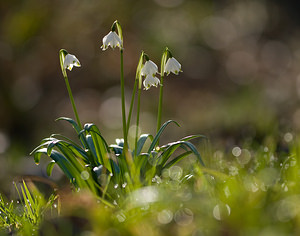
[70,61]
[151,80]
[111,39]
[173,66]
[150,68]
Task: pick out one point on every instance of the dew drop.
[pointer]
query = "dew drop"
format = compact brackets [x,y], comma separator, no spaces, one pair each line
[221,211]
[184,217]
[85,175]
[288,137]
[165,216]
[236,151]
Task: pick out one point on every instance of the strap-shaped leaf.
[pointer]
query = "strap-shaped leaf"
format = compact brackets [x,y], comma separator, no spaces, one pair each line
[177,159]
[172,148]
[50,168]
[37,157]
[62,162]
[164,157]
[141,143]
[100,145]
[141,162]
[72,122]
[190,137]
[157,136]
[116,149]
[51,145]
[91,147]
[194,150]
[45,142]
[76,127]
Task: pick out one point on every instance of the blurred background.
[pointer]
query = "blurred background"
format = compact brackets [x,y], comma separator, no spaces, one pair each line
[240,61]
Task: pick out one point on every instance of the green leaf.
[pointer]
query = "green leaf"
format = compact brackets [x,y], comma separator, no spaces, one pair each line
[45,142]
[194,150]
[50,167]
[37,157]
[76,127]
[101,149]
[164,157]
[51,145]
[141,162]
[62,162]
[177,159]
[91,147]
[156,138]
[72,122]
[116,149]
[190,137]
[141,143]
[171,148]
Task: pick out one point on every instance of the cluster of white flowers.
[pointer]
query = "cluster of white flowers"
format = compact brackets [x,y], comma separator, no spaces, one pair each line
[149,69]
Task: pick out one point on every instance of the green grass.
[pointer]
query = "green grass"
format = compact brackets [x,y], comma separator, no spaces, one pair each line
[254,192]
[24,214]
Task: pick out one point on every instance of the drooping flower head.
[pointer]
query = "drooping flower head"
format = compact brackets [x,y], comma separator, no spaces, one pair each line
[173,66]
[113,39]
[149,68]
[150,80]
[70,61]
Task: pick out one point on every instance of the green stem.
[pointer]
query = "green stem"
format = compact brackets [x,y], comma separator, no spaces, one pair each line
[159,113]
[72,101]
[131,106]
[137,120]
[123,103]
[161,89]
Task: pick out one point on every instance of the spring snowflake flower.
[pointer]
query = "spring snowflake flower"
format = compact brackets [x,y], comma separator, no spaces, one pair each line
[111,39]
[150,68]
[151,80]
[70,61]
[173,66]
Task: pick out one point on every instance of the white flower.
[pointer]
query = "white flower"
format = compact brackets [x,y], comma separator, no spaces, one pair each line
[150,68]
[173,66]
[111,39]
[70,61]
[151,81]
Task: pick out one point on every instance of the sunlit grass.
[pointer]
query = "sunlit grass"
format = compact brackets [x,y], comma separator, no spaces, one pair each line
[245,191]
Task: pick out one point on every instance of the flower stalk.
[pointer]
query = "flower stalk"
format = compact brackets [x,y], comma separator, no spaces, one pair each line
[168,64]
[67,61]
[113,40]
[161,89]
[123,104]
[136,82]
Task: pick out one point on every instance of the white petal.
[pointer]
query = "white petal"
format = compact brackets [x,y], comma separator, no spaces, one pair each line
[150,68]
[70,61]
[111,39]
[173,66]
[151,81]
